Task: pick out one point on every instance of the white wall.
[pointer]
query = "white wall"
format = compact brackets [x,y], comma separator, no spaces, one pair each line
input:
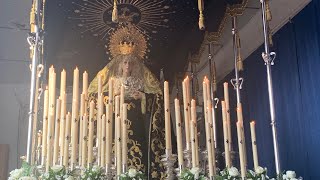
[13,116]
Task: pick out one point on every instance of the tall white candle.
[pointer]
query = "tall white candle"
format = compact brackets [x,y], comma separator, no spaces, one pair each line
[124,135]
[209,140]
[226,99]
[62,124]
[193,137]
[118,135]
[186,115]
[225,136]
[90,139]
[63,82]
[103,140]
[179,133]
[254,144]
[194,119]
[75,118]
[56,133]
[44,126]
[84,140]
[240,120]
[67,140]
[81,121]
[167,116]
[52,94]
[241,153]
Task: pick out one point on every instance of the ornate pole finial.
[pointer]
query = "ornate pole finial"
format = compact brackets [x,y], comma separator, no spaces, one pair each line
[115,12]
[201,16]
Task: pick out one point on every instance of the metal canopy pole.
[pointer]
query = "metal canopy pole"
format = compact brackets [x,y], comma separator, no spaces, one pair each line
[268,59]
[34,41]
[237,82]
[213,100]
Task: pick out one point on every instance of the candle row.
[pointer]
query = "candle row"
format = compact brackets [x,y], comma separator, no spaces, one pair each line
[68,138]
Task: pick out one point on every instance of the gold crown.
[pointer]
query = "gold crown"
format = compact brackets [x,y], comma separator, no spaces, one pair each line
[126,47]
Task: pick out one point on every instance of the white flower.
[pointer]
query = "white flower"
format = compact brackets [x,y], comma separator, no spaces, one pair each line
[27,178]
[259,170]
[16,174]
[284,176]
[233,172]
[95,168]
[56,168]
[70,178]
[291,174]
[196,172]
[132,173]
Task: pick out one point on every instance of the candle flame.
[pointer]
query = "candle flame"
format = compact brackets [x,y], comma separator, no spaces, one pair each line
[253,122]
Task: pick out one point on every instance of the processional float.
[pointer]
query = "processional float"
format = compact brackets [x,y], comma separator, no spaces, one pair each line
[67,138]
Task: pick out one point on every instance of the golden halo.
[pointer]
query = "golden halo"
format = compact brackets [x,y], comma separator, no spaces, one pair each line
[128,40]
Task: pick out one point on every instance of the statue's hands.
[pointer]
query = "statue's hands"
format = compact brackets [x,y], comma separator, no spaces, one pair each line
[137,95]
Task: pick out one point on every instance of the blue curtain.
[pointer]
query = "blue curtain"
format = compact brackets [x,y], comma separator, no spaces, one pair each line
[296,82]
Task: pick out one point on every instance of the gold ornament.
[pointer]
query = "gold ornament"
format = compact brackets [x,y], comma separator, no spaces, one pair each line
[128,40]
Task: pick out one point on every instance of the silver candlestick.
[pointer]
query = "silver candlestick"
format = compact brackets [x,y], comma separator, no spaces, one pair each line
[187,157]
[169,160]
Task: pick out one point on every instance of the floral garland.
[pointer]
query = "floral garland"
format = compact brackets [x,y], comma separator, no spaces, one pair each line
[28,172]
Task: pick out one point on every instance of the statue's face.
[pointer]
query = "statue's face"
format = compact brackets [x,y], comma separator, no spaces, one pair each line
[126,67]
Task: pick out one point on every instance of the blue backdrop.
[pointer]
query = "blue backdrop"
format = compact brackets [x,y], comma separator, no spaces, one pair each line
[296,80]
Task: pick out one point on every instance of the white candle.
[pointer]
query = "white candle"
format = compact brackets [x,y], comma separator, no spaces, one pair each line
[67,140]
[82,112]
[75,118]
[63,82]
[240,120]
[225,136]
[193,137]
[124,135]
[56,133]
[226,99]
[44,126]
[90,140]
[52,94]
[118,135]
[179,133]
[208,139]
[194,119]
[103,140]
[84,140]
[85,83]
[241,153]
[167,116]
[62,124]
[186,115]
[108,135]
[254,144]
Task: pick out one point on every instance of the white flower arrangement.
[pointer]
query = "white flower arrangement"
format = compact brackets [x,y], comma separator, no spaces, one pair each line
[192,174]
[259,173]
[93,173]
[289,175]
[228,174]
[132,174]
[26,172]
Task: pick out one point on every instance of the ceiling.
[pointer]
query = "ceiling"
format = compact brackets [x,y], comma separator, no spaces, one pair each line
[77,31]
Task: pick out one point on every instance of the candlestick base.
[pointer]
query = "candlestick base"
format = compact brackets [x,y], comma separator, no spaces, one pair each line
[168,160]
[187,156]
[110,171]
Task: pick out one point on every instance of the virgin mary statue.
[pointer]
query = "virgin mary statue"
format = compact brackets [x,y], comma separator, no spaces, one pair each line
[144,97]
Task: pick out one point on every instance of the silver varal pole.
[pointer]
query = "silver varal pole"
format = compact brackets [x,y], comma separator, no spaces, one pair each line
[213,99]
[34,42]
[237,82]
[268,59]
